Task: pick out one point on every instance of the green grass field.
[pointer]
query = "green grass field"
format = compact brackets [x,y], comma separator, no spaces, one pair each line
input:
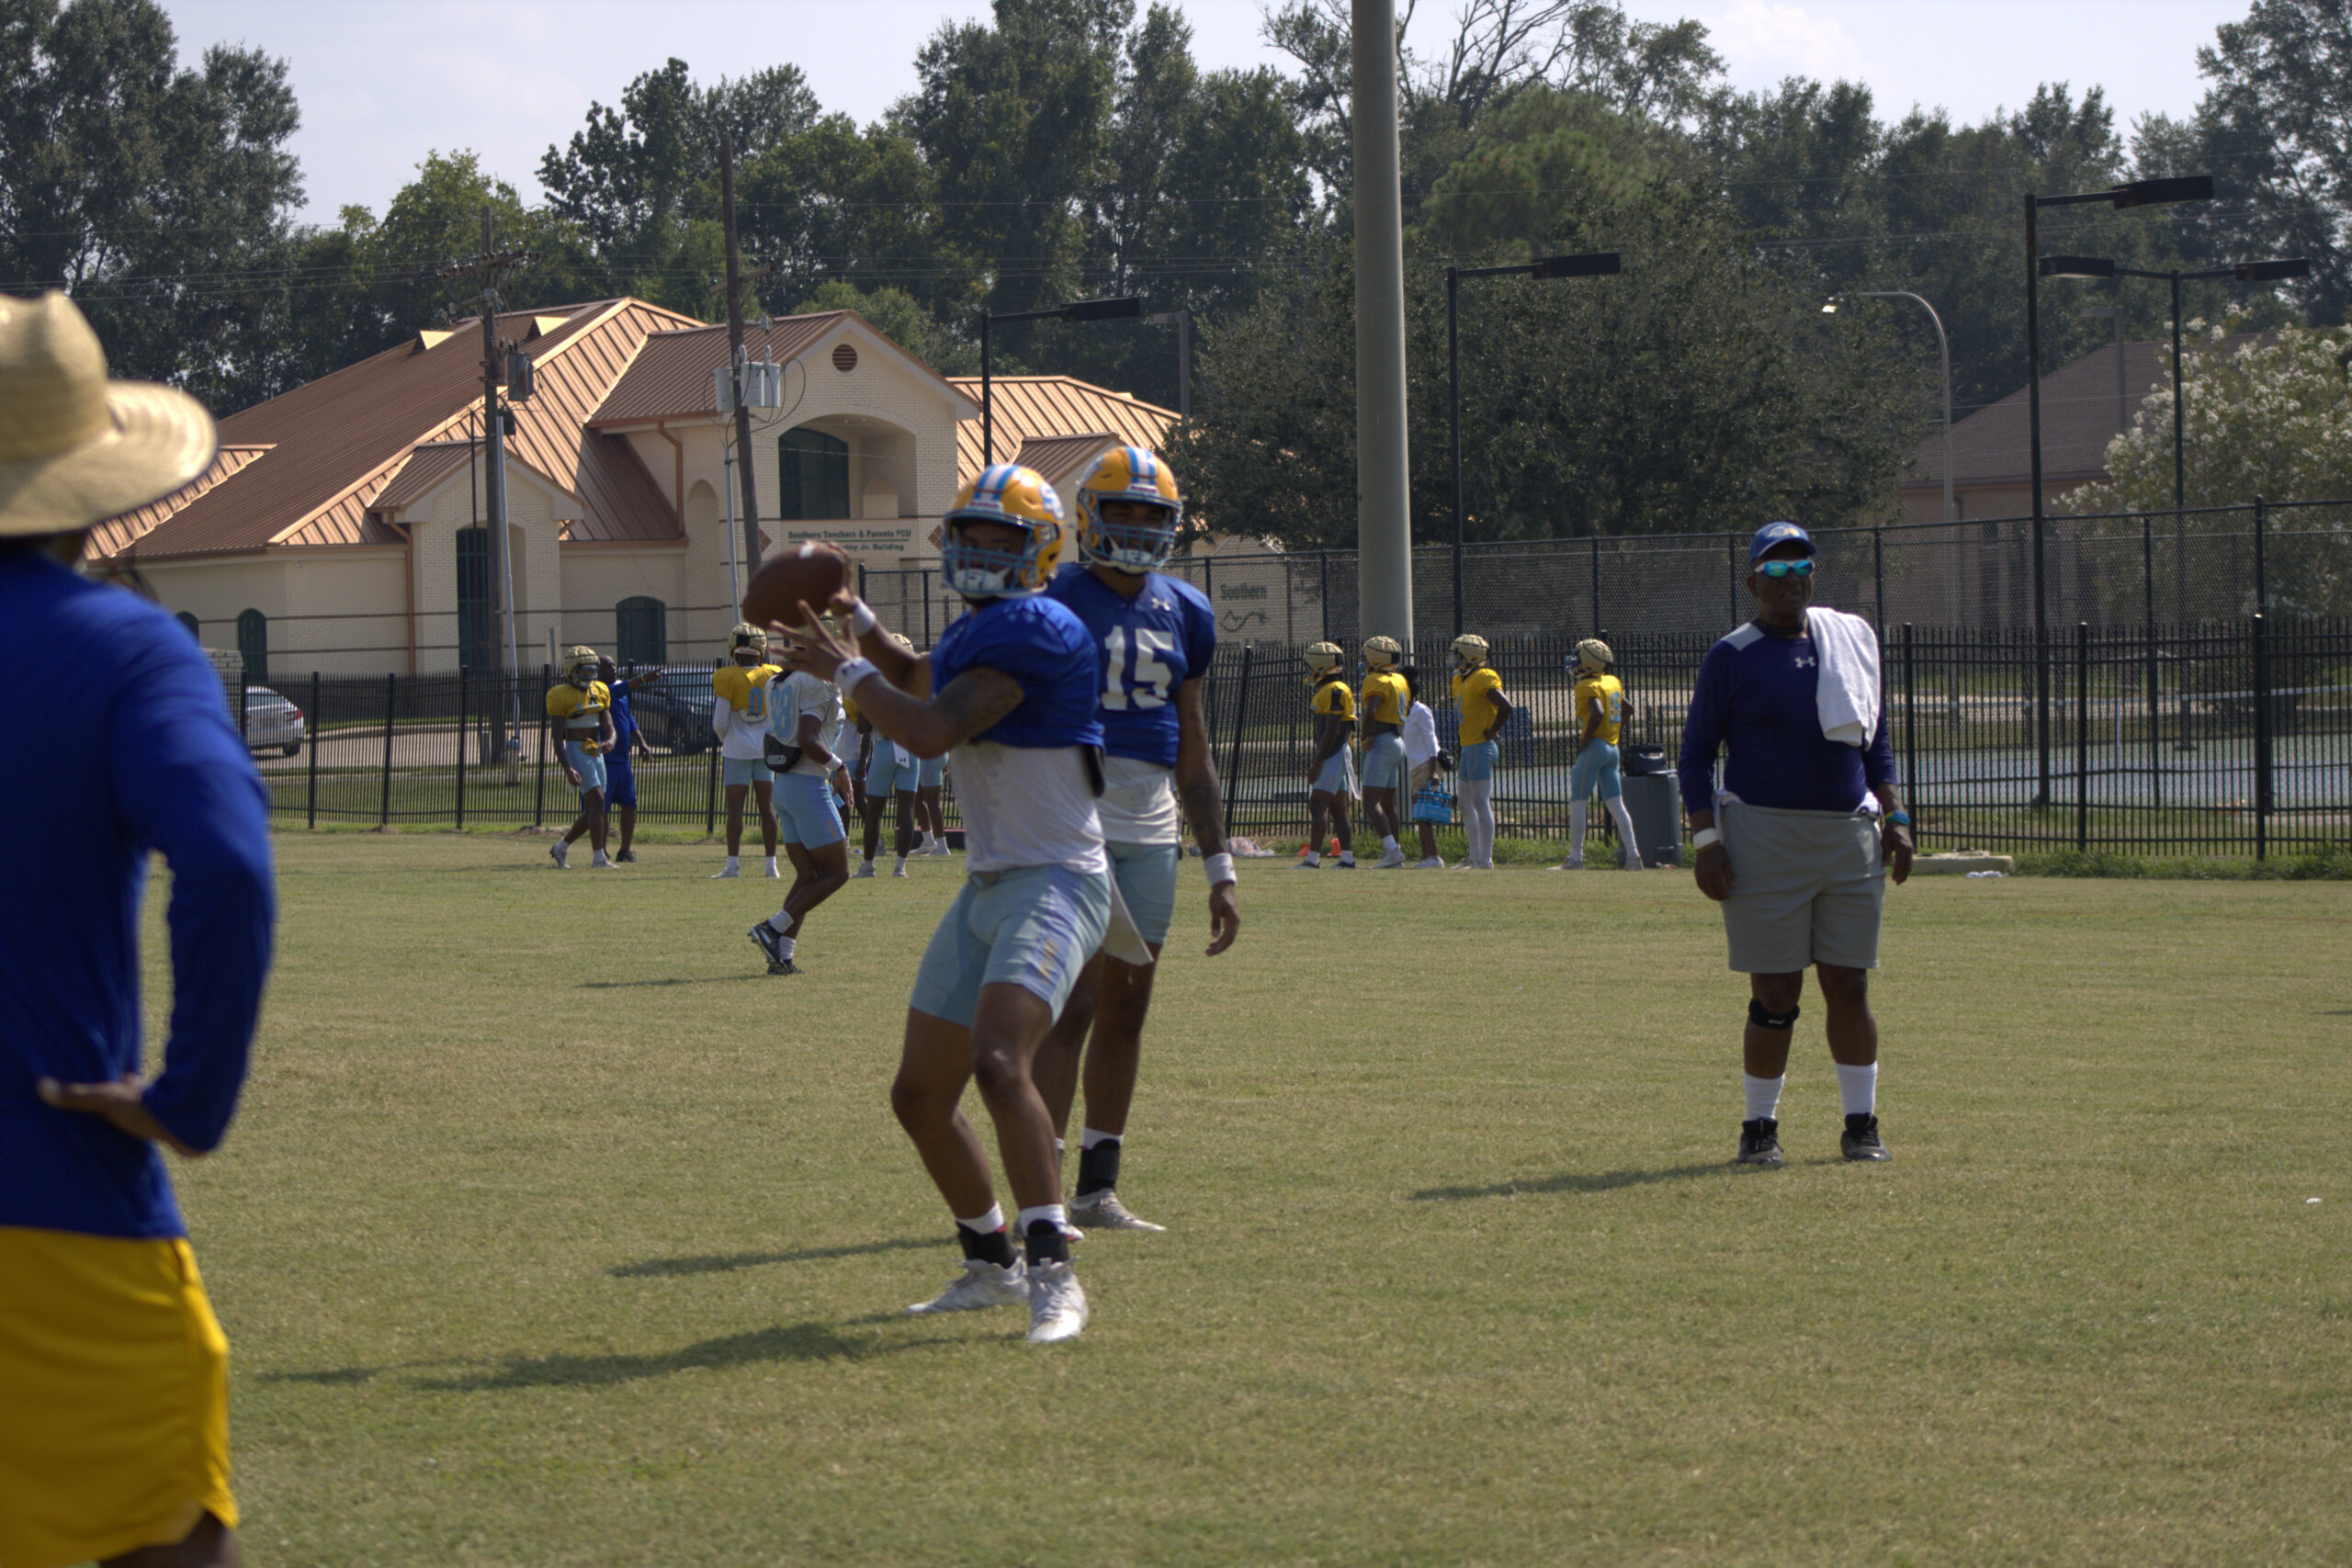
[553,1232]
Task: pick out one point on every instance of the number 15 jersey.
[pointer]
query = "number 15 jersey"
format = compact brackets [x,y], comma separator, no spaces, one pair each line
[1149,645]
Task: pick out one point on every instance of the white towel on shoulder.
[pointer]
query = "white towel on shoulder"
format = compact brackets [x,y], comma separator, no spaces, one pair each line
[1846,692]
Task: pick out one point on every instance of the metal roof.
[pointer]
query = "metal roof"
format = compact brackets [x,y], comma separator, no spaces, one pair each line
[431,462]
[671,377]
[1054,456]
[1051,406]
[117,534]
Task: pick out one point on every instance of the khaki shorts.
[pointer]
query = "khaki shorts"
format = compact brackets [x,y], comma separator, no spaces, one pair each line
[1422,774]
[1807,888]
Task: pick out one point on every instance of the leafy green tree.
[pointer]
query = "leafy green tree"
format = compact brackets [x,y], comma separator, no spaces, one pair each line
[900,317]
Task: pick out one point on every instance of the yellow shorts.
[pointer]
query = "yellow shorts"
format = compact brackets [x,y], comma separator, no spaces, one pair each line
[114,1375]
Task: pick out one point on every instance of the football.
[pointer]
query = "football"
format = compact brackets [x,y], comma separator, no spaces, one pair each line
[812,570]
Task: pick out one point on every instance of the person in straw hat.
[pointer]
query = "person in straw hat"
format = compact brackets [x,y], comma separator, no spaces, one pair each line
[104,1324]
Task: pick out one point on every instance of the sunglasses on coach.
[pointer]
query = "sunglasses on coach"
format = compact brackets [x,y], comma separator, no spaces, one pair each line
[1777,569]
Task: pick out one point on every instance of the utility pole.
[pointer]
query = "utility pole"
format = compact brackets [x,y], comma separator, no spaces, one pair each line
[1383,514]
[735,354]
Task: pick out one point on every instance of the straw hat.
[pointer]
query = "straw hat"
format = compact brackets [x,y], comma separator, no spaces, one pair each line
[76,448]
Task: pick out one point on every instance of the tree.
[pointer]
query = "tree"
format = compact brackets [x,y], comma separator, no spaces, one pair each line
[900,317]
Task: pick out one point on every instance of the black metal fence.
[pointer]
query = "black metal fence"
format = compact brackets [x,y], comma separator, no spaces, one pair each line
[2225,736]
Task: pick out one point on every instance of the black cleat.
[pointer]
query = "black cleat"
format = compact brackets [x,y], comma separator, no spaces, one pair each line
[1759,1142]
[626,855]
[768,939]
[1860,1140]
[784,967]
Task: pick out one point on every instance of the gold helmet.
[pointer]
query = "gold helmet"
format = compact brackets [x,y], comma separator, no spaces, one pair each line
[1471,649]
[747,639]
[1324,659]
[1593,657]
[1383,652]
[580,665]
[1129,473]
[1007,493]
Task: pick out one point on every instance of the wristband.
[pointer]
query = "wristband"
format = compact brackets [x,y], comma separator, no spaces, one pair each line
[852,672]
[1220,869]
[1898,819]
[1704,838]
[861,616]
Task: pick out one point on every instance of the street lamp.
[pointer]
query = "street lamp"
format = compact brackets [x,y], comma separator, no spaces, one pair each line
[1117,308]
[2138,193]
[1594,264]
[1943,348]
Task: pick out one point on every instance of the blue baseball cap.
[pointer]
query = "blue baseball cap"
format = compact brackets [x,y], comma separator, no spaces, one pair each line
[1774,533]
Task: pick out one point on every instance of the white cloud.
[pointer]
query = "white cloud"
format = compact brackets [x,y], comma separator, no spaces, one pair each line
[1767,39]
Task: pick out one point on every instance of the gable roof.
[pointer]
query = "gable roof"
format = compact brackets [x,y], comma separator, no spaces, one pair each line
[1056,456]
[431,462]
[674,377]
[1050,406]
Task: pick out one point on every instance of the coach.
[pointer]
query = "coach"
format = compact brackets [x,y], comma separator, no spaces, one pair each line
[1797,843]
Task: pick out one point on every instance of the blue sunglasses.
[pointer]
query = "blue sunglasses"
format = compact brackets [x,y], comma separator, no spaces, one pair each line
[1777,569]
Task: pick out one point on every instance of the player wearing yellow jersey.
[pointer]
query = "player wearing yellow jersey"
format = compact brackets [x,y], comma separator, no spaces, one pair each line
[1478,698]
[738,717]
[1602,708]
[581,706]
[1386,703]
[1331,777]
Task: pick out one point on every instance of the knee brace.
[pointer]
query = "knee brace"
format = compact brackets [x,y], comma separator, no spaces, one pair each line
[1758,1016]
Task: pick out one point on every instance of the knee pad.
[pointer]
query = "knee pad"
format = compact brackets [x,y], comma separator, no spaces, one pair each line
[1758,1016]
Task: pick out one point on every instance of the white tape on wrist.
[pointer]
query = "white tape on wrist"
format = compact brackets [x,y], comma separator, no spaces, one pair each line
[1704,837]
[861,616]
[852,672]
[1220,869]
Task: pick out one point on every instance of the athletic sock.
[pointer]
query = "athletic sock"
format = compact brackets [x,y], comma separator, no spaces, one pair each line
[902,862]
[1763,1097]
[1042,1229]
[733,864]
[783,947]
[1098,1163]
[1387,843]
[771,866]
[986,1237]
[1857,1088]
[1312,858]
[1575,830]
[1346,857]
[1627,848]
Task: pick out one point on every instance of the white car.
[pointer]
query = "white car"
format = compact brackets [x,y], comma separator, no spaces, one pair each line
[272,723]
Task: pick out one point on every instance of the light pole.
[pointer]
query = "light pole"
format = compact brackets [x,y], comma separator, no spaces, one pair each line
[1594,264]
[1118,307]
[1943,350]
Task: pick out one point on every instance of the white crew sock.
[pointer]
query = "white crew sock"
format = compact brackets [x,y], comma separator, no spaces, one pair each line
[1857,1088]
[1388,843]
[733,865]
[1624,820]
[771,866]
[1763,1097]
[902,864]
[1055,1213]
[1092,1136]
[991,1221]
[1313,858]
[1346,857]
[783,947]
[1575,830]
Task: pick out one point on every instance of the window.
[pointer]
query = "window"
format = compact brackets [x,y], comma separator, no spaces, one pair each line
[189,622]
[813,473]
[253,643]
[641,630]
[475,650]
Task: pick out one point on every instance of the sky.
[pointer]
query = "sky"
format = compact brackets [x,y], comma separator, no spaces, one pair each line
[381,84]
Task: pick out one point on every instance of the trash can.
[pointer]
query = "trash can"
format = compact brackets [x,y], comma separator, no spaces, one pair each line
[1654,802]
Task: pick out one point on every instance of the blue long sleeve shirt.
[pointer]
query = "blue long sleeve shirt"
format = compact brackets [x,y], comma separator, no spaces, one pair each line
[124,747]
[1756,699]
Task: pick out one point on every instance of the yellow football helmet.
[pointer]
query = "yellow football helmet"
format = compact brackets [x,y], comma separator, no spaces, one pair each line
[747,639]
[1383,652]
[1129,473]
[1593,657]
[581,666]
[1012,494]
[1470,649]
[1323,659]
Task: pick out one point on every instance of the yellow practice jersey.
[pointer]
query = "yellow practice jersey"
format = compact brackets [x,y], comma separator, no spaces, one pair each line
[1333,699]
[1609,693]
[849,711]
[745,687]
[581,713]
[1473,694]
[1384,698]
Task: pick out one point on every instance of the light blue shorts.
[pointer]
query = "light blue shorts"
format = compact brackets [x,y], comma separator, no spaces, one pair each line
[733,770]
[931,772]
[883,774]
[1476,763]
[806,812]
[1339,774]
[1034,926]
[1147,878]
[1596,766]
[591,766]
[1383,763]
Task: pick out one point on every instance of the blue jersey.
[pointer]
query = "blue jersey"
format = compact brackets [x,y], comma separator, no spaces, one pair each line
[1043,646]
[1150,645]
[1756,694]
[624,724]
[137,753]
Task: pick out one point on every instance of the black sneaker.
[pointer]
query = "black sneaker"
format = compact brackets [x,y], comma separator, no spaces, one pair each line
[1859,1141]
[626,855]
[767,937]
[1759,1142]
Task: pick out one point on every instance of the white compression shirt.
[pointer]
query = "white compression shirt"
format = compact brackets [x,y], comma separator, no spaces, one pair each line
[1026,805]
[1139,804]
[801,693]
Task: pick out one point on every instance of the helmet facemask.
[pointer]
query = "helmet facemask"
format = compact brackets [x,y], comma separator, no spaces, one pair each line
[983,571]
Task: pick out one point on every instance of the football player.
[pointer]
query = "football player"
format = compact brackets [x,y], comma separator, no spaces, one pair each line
[805,715]
[739,715]
[1386,703]
[1011,689]
[621,775]
[581,706]
[1156,634]
[1478,698]
[1331,777]
[1602,707]
[931,782]
[890,777]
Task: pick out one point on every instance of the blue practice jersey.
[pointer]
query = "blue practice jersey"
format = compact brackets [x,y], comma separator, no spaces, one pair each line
[623,726]
[1150,645]
[136,754]
[1756,698]
[1043,646]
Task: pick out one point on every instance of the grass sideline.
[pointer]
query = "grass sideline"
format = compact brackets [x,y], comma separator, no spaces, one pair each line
[553,1232]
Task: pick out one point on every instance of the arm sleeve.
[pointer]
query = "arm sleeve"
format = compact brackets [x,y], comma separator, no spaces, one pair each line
[1878,758]
[722,710]
[185,784]
[1703,730]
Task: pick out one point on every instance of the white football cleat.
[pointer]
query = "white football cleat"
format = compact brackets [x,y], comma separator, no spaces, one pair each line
[1434,862]
[1104,1212]
[982,1284]
[939,849]
[864,868]
[1056,1304]
[557,852]
[1390,860]
[723,876]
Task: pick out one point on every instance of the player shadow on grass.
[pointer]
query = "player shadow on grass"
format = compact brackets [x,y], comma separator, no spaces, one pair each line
[1570,1181]
[786,1342]
[723,1262]
[670,981]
